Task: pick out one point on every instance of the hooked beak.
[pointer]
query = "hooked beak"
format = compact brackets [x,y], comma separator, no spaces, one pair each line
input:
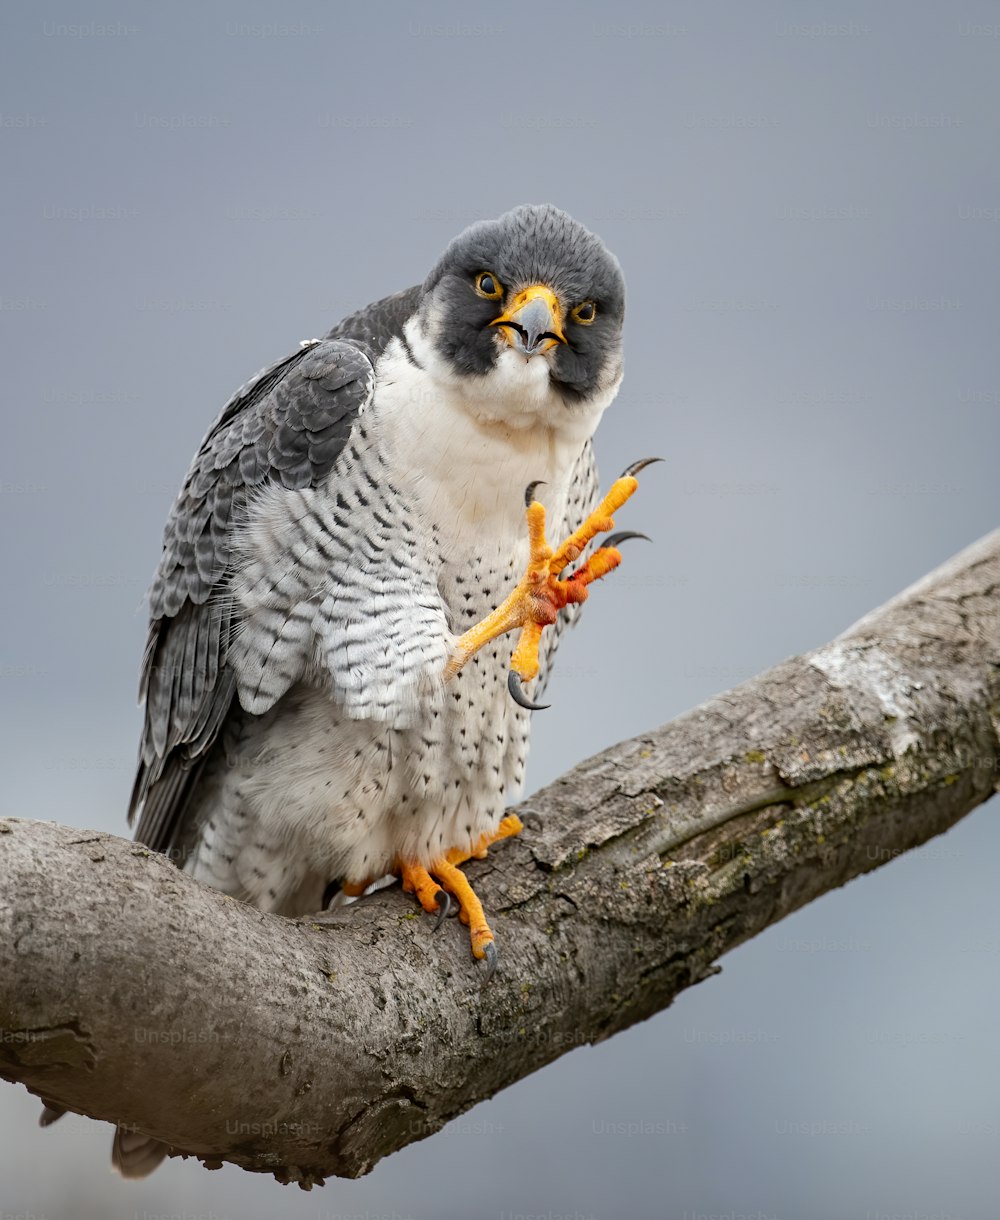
[532,323]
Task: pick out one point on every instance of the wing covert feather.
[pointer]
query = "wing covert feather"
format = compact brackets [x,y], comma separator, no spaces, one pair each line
[288,426]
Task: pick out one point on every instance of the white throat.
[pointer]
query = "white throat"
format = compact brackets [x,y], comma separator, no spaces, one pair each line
[477,441]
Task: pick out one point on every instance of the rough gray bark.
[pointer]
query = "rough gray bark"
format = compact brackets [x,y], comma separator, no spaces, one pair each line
[129,993]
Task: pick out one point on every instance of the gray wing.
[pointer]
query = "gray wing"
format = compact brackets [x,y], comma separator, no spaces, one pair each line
[288,426]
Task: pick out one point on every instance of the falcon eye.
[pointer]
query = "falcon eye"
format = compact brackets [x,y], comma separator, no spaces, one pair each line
[487,286]
[585,313]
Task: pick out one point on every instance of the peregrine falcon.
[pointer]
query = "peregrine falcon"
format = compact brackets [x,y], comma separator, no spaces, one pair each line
[329,697]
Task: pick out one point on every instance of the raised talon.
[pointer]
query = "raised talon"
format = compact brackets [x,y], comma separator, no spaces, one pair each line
[529,491]
[631,471]
[518,695]
[539,596]
[623,536]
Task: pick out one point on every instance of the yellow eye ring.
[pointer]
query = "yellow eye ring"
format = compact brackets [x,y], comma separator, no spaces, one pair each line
[584,313]
[488,286]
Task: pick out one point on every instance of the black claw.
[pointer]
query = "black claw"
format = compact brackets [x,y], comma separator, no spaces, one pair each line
[444,908]
[490,958]
[633,470]
[623,536]
[518,695]
[529,491]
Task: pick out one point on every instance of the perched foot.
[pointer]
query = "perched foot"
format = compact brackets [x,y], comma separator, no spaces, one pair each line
[540,595]
[417,880]
[443,880]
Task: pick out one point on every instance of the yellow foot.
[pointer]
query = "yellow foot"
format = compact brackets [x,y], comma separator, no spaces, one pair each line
[443,880]
[540,594]
[510,825]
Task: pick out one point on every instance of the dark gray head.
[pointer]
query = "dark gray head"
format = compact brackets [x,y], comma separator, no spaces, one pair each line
[533,286]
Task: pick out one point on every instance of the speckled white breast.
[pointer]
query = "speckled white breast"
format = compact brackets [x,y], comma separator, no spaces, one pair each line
[366,755]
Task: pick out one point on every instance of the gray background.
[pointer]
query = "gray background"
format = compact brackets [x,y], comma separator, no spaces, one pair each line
[805,202]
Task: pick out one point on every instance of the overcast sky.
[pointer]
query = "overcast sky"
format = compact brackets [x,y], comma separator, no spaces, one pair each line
[805,201]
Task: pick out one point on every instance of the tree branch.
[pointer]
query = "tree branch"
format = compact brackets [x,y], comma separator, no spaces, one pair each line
[132,994]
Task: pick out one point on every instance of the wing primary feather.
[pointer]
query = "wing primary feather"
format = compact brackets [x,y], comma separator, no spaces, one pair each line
[288,425]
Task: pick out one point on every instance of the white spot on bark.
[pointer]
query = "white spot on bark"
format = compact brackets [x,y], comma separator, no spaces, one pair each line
[868,669]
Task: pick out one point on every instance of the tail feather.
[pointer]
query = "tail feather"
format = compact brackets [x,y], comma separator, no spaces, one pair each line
[135,1155]
[51,1111]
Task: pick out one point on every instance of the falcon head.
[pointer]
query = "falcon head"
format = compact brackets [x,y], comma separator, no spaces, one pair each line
[523,315]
